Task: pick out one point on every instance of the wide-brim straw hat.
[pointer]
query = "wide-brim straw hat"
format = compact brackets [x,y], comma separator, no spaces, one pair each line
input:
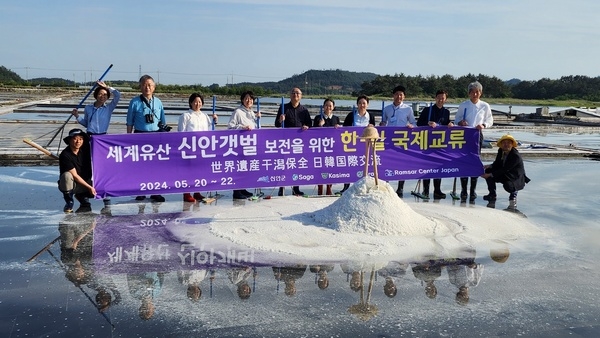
[507,137]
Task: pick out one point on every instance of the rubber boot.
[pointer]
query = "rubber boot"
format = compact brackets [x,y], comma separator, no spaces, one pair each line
[464,182]
[473,194]
[84,203]
[426,184]
[400,190]
[328,192]
[68,197]
[320,189]
[512,200]
[296,191]
[437,189]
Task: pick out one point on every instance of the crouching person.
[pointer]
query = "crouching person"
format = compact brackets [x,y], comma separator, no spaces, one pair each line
[76,172]
[507,169]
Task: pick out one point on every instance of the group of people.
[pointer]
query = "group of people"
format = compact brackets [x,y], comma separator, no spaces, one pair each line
[146,114]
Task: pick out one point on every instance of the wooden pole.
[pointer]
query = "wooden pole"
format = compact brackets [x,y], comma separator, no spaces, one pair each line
[40,148]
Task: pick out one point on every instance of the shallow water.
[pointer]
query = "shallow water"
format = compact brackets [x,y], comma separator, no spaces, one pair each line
[546,288]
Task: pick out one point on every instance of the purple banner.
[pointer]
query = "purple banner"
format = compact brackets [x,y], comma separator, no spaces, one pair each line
[143,243]
[166,163]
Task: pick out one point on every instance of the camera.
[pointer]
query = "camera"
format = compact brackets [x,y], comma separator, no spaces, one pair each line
[164,127]
[149,118]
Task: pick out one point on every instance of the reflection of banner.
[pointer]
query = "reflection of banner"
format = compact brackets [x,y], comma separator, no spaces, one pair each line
[156,163]
[142,243]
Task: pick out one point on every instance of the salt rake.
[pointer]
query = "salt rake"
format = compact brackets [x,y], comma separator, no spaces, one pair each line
[417,192]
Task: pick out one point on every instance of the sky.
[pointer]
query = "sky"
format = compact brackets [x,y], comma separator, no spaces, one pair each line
[231,41]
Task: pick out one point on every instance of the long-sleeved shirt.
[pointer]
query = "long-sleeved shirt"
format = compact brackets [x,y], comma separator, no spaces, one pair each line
[241,118]
[475,114]
[294,117]
[398,116]
[194,121]
[96,120]
[441,116]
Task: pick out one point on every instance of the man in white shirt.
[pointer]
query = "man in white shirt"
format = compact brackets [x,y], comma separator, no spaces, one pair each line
[473,113]
[398,114]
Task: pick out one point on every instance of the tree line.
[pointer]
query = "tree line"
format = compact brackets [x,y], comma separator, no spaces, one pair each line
[566,88]
[339,82]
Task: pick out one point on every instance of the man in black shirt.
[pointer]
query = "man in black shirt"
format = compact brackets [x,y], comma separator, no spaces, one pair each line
[76,172]
[293,115]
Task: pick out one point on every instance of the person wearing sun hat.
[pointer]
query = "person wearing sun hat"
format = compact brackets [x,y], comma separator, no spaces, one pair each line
[507,169]
[76,171]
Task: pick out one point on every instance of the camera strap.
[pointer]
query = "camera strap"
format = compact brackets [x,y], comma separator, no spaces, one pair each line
[143,98]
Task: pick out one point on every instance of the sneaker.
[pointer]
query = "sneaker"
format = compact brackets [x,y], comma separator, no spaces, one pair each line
[247,193]
[157,198]
[489,197]
[463,196]
[68,207]
[187,197]
[400,193]
[281,191]
[140,198]
[238,195]
[472,197]
[198,196]
[439,195]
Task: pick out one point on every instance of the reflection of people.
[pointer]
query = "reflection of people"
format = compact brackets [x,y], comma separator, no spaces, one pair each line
[144,115]
[473,113]
[434,116]
[194,120]
[401,115]
[428,271]
[464,273]
[391,272]
[500,253]
[507,169]
[191,279]
[293,115]
[289,275]
[238,276]
[359,118]
[145,287]
[76,237]
[75,168]
[244,118]
[321,271]
[327,119]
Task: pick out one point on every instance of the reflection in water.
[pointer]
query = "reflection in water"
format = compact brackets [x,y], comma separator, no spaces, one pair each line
[131,260]
[76,238]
